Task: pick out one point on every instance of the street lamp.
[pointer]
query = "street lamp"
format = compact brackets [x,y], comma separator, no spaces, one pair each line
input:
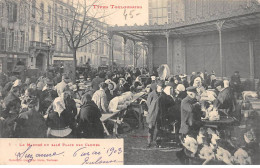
[49,44]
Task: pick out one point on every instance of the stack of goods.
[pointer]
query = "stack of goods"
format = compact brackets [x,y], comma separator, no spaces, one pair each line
[120,102]
[211,113]
[209,147]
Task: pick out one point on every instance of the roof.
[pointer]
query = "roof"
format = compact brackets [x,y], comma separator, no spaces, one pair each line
[239,19]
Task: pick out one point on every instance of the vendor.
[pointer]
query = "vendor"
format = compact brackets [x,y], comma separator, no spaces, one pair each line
[189,112]
[225,101]
[122,86]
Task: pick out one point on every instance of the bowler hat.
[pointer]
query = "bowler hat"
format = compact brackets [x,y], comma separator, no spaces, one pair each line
[219,83]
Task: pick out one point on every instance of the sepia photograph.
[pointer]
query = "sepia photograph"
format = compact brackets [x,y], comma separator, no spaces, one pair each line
[130,82]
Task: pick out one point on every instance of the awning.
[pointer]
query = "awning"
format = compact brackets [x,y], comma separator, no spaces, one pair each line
[62,59]
[240,19]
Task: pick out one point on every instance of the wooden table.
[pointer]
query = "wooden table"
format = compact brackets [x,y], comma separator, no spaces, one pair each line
[108,116]
[223,121]
[117,121]
[221,124]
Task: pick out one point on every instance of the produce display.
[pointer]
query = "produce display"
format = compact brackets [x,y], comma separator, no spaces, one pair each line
[120,102]
[211,113]
[208,146]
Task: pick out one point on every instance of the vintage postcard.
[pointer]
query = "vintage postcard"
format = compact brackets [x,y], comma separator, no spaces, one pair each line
[129,82]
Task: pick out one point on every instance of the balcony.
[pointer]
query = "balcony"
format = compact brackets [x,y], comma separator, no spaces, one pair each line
[39,45]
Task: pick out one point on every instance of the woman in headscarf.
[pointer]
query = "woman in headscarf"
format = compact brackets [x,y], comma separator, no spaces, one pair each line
[198,84]
[60,117]
[89,124]
[30,123]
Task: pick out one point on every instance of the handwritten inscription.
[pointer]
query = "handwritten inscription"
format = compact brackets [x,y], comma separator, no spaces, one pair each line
[27,155]
[82,152]
[88,156]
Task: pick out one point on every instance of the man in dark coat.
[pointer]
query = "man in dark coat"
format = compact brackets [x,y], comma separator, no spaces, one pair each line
[152,104]
[235,84]
[225,100]
[12,103]
[11,110]
[30,124]
[189,114]
[96,81]
[47,96]
[89,124]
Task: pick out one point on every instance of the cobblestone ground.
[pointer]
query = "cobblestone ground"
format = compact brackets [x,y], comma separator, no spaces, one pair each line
[136,152]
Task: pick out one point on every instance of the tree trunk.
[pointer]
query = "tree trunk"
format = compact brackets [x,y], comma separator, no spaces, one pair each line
[74,65]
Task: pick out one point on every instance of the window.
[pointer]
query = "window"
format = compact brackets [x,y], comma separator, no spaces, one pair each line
[11,40]
[49,34]
[42,11]
[15,40]
[96,48]
[81,60]
[23,13]
[22,41]
[33,8]
[26,41]
[159,12]
[49,14]
[56,22]
[65,46]
[67,12]
[32,33]
[2,39]
[1,9]
[61,44]
[61,22]
[12,11]
[61,9]
[41,35]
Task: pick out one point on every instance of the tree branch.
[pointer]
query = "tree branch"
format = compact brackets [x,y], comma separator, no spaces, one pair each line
[90,41]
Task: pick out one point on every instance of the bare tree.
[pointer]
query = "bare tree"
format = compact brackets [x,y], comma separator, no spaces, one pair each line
[82,29]
[134,51]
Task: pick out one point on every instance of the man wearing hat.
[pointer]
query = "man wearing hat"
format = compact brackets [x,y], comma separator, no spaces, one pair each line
[47,96]
[60,86]
[97,80]
[158,113]
[235,84]
[122,86]
[188,112]
[225,100]
[184,80]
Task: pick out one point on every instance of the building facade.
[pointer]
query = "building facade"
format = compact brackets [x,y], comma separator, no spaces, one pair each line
[26,26]
[14,34]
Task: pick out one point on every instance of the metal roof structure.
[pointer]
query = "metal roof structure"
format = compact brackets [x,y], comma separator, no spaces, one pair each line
[240,19]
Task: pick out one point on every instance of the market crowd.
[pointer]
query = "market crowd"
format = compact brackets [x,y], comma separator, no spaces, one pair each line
[47,108]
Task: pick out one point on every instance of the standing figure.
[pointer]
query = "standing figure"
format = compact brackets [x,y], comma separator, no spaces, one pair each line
[188,112]
[89,124]
[236,84]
